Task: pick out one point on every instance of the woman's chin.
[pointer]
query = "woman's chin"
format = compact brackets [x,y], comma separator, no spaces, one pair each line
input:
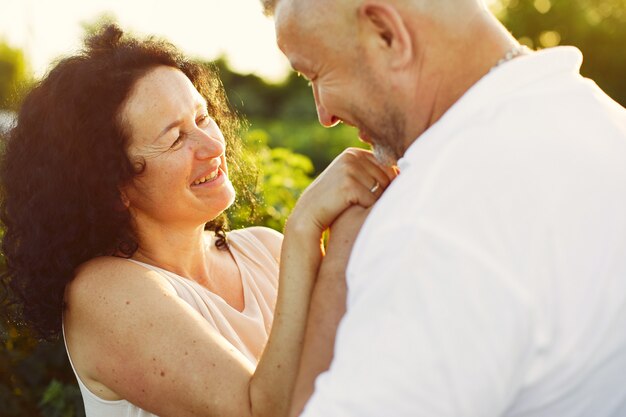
[219,204]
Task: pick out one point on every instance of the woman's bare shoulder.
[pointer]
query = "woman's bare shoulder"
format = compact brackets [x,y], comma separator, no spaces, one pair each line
[133,339]
[110,278]
[106,265]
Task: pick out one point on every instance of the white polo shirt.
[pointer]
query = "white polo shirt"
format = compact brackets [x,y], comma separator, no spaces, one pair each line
[490,279]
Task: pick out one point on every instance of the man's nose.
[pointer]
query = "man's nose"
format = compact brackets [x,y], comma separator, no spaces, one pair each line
[326,118]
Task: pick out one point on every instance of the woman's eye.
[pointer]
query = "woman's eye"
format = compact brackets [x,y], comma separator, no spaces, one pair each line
[178,141]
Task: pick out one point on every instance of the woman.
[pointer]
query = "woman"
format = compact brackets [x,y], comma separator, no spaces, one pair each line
[112,174]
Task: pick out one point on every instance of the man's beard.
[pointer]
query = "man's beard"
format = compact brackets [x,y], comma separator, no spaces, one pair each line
[382,122]
[384,155]
[387,136]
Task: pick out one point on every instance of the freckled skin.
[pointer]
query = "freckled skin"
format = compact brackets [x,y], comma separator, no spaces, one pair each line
[228,388]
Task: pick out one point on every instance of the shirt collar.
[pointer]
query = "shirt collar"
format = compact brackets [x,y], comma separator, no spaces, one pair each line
[501,81]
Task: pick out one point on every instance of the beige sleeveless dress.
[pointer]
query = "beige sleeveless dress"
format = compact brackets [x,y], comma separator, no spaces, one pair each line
[247,330]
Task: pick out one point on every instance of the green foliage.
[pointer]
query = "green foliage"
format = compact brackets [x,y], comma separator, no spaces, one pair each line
[14,78]
[283,176]
[257,99]
[35,377]
[596,27]
[309,138]
[61,400]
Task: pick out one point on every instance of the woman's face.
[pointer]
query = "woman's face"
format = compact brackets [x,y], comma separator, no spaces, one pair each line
[185,180]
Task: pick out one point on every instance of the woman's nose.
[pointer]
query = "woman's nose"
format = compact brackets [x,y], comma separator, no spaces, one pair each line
[208,145]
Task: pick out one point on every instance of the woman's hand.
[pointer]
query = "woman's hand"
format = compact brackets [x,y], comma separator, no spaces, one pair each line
[353,178]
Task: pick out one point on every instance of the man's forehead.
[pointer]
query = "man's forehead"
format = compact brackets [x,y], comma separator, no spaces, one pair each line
[288,32]
[284,17]
[298,36]
[295,51]
[282,10]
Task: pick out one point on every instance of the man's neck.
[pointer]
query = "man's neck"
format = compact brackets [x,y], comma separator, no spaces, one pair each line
[468,55]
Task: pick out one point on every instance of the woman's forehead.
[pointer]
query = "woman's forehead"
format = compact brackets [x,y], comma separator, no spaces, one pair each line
[160,97]
[164,82]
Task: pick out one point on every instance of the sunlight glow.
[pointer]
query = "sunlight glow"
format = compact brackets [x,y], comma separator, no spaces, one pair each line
[206,29]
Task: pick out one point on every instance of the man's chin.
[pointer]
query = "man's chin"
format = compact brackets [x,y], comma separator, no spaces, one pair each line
[365,138]
[384,156]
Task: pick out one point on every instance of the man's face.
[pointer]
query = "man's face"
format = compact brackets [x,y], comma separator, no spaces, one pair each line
[345,86]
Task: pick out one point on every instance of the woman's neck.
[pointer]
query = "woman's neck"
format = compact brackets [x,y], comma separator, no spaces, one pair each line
[179,250]
[189,253]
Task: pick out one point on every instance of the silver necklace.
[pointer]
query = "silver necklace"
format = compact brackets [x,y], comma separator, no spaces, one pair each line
[512,53]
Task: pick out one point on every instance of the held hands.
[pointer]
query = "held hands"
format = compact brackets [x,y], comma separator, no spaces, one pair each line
[309,280]
[353,178]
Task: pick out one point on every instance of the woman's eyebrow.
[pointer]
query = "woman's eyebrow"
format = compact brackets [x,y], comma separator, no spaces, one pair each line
[172,125]
[200,105]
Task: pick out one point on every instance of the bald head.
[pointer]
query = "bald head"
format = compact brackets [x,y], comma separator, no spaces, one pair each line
[339,21]
[330,23]
[389,67]
[439,7]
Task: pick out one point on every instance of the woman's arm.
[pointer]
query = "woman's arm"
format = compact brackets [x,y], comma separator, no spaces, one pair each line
[328,305]
[345,183]
[146,345]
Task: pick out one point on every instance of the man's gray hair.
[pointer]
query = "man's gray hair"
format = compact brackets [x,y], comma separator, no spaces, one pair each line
[269,6]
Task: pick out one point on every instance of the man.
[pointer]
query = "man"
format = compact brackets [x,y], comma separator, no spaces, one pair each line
[490,278]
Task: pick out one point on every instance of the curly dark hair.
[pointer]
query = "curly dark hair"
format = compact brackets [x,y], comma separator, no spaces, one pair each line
[65,161]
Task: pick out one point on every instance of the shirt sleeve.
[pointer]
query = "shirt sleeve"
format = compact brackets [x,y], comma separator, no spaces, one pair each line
[434,328]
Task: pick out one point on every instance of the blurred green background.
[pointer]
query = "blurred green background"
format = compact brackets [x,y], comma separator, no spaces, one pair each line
[288,145]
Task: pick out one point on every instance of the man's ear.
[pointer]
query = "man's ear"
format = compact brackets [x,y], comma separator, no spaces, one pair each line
[388,32]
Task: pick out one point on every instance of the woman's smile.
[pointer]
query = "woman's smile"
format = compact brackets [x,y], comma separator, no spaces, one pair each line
[213,179]
[209,177]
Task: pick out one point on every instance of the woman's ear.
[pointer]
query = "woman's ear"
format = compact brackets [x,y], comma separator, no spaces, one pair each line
[124,199]
[386,31]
